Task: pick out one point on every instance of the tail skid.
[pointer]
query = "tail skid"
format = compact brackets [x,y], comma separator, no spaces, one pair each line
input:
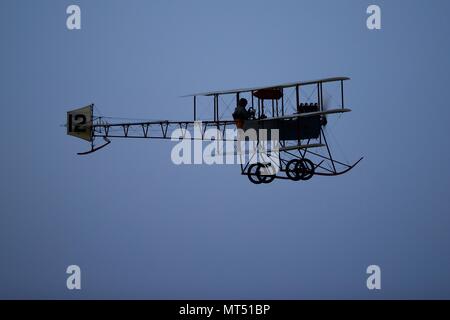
[93,149]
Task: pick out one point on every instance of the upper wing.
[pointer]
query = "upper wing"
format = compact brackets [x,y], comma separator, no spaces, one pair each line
[278,86]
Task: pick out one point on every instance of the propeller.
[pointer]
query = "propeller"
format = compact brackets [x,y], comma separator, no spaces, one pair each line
[326,105]
[327,98]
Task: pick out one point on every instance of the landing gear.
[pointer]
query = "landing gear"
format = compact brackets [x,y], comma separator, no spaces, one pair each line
[300,169]
[292,170]
[260,173]
[252,173]
[296,170]
[308,169]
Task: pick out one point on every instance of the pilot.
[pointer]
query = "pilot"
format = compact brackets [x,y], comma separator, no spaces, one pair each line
[240,114]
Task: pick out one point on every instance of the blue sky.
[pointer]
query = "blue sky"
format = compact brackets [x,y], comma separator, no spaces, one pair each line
[141,227]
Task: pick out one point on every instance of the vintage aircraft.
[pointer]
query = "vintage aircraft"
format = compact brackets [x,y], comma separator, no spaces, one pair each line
[303,149]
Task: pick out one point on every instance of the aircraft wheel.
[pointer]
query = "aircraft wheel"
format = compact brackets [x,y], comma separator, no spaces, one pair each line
[307,169]
[294,169]
[267,178]
[254,174]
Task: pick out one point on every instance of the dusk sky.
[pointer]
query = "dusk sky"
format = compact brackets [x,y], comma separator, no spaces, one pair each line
[140,226]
